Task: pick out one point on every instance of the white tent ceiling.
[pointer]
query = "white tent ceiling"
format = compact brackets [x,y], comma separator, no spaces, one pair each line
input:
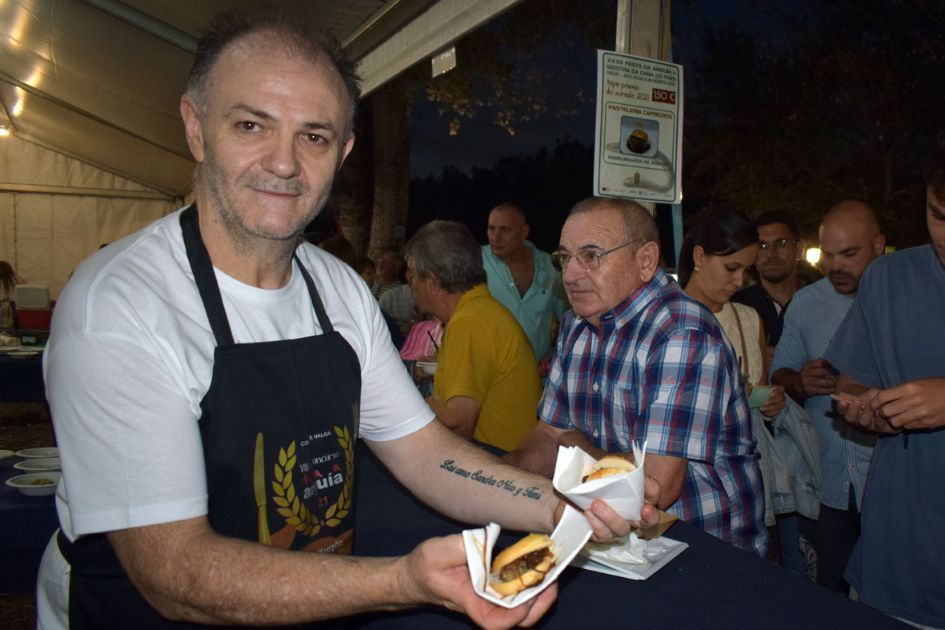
[99,80]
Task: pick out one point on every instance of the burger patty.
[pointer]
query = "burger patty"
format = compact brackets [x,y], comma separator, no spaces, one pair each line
[529,561]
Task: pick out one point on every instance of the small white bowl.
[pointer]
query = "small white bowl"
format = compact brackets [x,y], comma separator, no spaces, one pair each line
[38,484]
[428,367]
[38,465]
[41,452]
[5,453]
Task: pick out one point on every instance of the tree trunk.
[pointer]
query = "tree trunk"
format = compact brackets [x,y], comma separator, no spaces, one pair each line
[353,196]
[391,167]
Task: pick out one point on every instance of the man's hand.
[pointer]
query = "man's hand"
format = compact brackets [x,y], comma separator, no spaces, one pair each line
[436,573]
[859,411]
[608,525]
[917,404]
[775,403]
[817,378]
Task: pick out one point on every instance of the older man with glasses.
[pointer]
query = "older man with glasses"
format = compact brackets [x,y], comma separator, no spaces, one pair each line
[639,360]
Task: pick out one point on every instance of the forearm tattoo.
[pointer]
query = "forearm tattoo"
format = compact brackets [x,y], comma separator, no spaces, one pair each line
[480,476]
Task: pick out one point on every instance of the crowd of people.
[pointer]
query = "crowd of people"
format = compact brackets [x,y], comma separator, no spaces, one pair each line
[213,341]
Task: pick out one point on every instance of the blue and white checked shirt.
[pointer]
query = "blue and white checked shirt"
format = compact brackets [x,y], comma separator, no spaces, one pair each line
[660,369]
[810,322]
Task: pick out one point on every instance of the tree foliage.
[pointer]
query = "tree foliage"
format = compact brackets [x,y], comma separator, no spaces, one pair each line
[840,100]
[512,69]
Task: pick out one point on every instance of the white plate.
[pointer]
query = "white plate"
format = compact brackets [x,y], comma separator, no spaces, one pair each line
[41,452]
[428,367]
[5,453]
[36,465]
[36,484]
[23,354]
[657,554]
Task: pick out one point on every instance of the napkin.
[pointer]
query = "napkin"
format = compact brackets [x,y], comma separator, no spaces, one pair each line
[623,492]
[634,559]
[569,537]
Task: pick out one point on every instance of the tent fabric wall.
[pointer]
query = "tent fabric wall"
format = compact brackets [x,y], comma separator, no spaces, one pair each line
[45,236]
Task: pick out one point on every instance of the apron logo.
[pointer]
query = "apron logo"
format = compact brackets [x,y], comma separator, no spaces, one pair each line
[290,506]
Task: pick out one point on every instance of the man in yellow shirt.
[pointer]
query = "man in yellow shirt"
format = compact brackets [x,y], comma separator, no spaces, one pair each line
[486,385]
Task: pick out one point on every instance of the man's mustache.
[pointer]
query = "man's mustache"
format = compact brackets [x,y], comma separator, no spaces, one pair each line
[277,185]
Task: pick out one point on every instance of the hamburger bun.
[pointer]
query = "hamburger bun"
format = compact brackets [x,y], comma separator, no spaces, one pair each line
[608,465]
[522,564]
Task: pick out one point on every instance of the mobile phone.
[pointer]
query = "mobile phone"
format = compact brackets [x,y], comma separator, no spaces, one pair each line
[845,397]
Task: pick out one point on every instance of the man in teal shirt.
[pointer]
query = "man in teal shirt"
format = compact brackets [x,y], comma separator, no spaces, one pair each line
[521,278]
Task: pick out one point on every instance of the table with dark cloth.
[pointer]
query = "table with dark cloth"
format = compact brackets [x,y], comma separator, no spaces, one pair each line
[709,585]
[26,524]
[21,379]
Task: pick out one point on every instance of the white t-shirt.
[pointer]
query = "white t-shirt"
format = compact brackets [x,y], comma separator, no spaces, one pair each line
[130,359]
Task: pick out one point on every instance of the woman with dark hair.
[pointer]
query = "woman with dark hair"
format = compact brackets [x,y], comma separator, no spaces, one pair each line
[716,255]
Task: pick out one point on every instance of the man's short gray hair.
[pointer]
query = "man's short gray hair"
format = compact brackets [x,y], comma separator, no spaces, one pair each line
[637,220]
[448,251]
[294,34]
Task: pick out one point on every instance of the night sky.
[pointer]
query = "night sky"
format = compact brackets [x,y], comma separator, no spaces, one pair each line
[481,142]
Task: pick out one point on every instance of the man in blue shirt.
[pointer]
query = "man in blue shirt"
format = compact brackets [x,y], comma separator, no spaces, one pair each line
[522,278]
[850,240]
[889,352]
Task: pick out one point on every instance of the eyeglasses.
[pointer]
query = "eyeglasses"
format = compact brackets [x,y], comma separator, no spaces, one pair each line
[589,259]
[781,243]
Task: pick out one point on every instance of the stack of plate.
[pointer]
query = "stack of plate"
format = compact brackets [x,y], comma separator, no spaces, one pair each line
[41,466]
[41,452]
[38,465]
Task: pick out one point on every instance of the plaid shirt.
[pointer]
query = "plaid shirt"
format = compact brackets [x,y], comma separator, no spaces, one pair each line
[659,369]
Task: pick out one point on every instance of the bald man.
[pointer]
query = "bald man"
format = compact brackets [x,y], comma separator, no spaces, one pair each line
[850,240]
[522,278]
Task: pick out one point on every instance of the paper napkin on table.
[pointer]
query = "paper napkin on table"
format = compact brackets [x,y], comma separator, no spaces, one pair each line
[634,559]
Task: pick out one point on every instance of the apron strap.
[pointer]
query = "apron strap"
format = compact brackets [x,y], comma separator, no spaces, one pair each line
[209,289]
[204,277]
[316,299]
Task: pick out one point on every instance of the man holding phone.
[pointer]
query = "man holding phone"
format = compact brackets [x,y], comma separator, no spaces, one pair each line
[850,240]
[889,352]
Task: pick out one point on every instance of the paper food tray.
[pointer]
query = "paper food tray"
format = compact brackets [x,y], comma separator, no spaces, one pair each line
[623,492]
[569,537]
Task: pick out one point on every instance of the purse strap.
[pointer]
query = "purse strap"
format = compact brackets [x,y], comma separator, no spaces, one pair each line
[741,338]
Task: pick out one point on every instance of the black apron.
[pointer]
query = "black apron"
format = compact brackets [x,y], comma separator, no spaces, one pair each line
[278,426]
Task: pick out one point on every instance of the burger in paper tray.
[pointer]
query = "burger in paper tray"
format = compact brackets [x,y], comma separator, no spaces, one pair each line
[488,568]
[581,478]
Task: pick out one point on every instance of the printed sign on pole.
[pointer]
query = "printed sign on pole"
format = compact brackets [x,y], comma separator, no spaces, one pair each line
[638,144]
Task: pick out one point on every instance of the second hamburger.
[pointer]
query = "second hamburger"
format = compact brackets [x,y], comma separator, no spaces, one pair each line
[606,466]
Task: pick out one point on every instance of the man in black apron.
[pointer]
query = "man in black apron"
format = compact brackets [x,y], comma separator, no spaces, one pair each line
[268,116]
